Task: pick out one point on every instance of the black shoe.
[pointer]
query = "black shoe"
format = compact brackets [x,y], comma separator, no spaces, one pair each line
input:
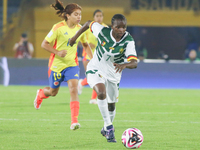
[110,134]
[103,132]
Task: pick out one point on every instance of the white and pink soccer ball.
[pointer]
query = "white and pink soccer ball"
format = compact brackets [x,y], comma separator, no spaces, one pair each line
[132,138]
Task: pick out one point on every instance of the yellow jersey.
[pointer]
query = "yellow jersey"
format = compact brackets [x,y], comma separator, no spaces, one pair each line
[60,35]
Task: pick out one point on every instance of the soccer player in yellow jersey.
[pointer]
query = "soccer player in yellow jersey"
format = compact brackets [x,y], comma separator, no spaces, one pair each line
[63,62]
[92,40]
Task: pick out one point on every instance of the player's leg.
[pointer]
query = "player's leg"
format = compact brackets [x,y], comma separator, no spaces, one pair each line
[84,82]
[96,81]
[112,97]
[55,80]
[44,94]
[74,103]
[101,100]
[112,111]
[72,76]
[112,92]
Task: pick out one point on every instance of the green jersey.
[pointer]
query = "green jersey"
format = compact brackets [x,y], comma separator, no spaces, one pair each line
[108,51]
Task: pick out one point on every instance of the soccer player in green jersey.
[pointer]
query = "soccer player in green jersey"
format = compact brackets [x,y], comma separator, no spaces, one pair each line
[63,62]
[115,46]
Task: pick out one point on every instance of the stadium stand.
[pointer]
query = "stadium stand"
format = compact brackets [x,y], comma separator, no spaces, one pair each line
[12,8]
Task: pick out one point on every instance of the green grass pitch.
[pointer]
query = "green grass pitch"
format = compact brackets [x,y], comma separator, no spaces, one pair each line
[168,118]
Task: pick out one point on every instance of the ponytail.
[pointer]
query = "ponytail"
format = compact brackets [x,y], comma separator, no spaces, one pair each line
[63,11]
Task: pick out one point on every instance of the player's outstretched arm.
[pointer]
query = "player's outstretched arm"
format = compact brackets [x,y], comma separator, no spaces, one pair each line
[80,31]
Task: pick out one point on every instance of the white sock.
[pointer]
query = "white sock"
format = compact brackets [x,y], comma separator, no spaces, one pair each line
[103,107]
[112,115]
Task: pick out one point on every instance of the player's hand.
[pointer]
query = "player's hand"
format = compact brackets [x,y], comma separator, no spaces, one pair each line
[62,53]
[119,67]
[72,41]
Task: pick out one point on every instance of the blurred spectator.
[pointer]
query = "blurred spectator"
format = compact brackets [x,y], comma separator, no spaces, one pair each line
[23,49]
[141,50]
[191,46]
[193,56]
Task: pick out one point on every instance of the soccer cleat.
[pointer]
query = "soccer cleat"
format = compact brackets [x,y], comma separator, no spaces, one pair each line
[103,132]
[38,100]
[93,101]
[80,87]
[75,126]
[110,134]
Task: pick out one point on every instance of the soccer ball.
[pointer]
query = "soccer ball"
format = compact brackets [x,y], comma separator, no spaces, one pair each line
[132,138]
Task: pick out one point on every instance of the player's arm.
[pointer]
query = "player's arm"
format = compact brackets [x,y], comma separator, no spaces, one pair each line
[131,65]
[80,31]
[46,45]
[88,50]
[131,55]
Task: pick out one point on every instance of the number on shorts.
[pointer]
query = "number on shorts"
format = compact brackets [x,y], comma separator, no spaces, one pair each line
[57,76]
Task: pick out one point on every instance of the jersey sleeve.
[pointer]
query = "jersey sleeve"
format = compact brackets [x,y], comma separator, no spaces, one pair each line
[96,28]
[130,52]
[83,38]
[52,35]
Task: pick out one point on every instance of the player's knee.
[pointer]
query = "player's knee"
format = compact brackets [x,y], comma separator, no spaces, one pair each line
[101,95]
[111,107]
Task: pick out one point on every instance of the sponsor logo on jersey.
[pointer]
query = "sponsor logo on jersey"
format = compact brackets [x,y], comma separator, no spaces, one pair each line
[103,43]
[56,83]
[76,75]
[121,50]
[66,33]
[112,48]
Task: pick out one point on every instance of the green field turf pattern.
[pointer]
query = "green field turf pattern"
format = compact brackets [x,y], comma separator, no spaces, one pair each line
[168,118]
